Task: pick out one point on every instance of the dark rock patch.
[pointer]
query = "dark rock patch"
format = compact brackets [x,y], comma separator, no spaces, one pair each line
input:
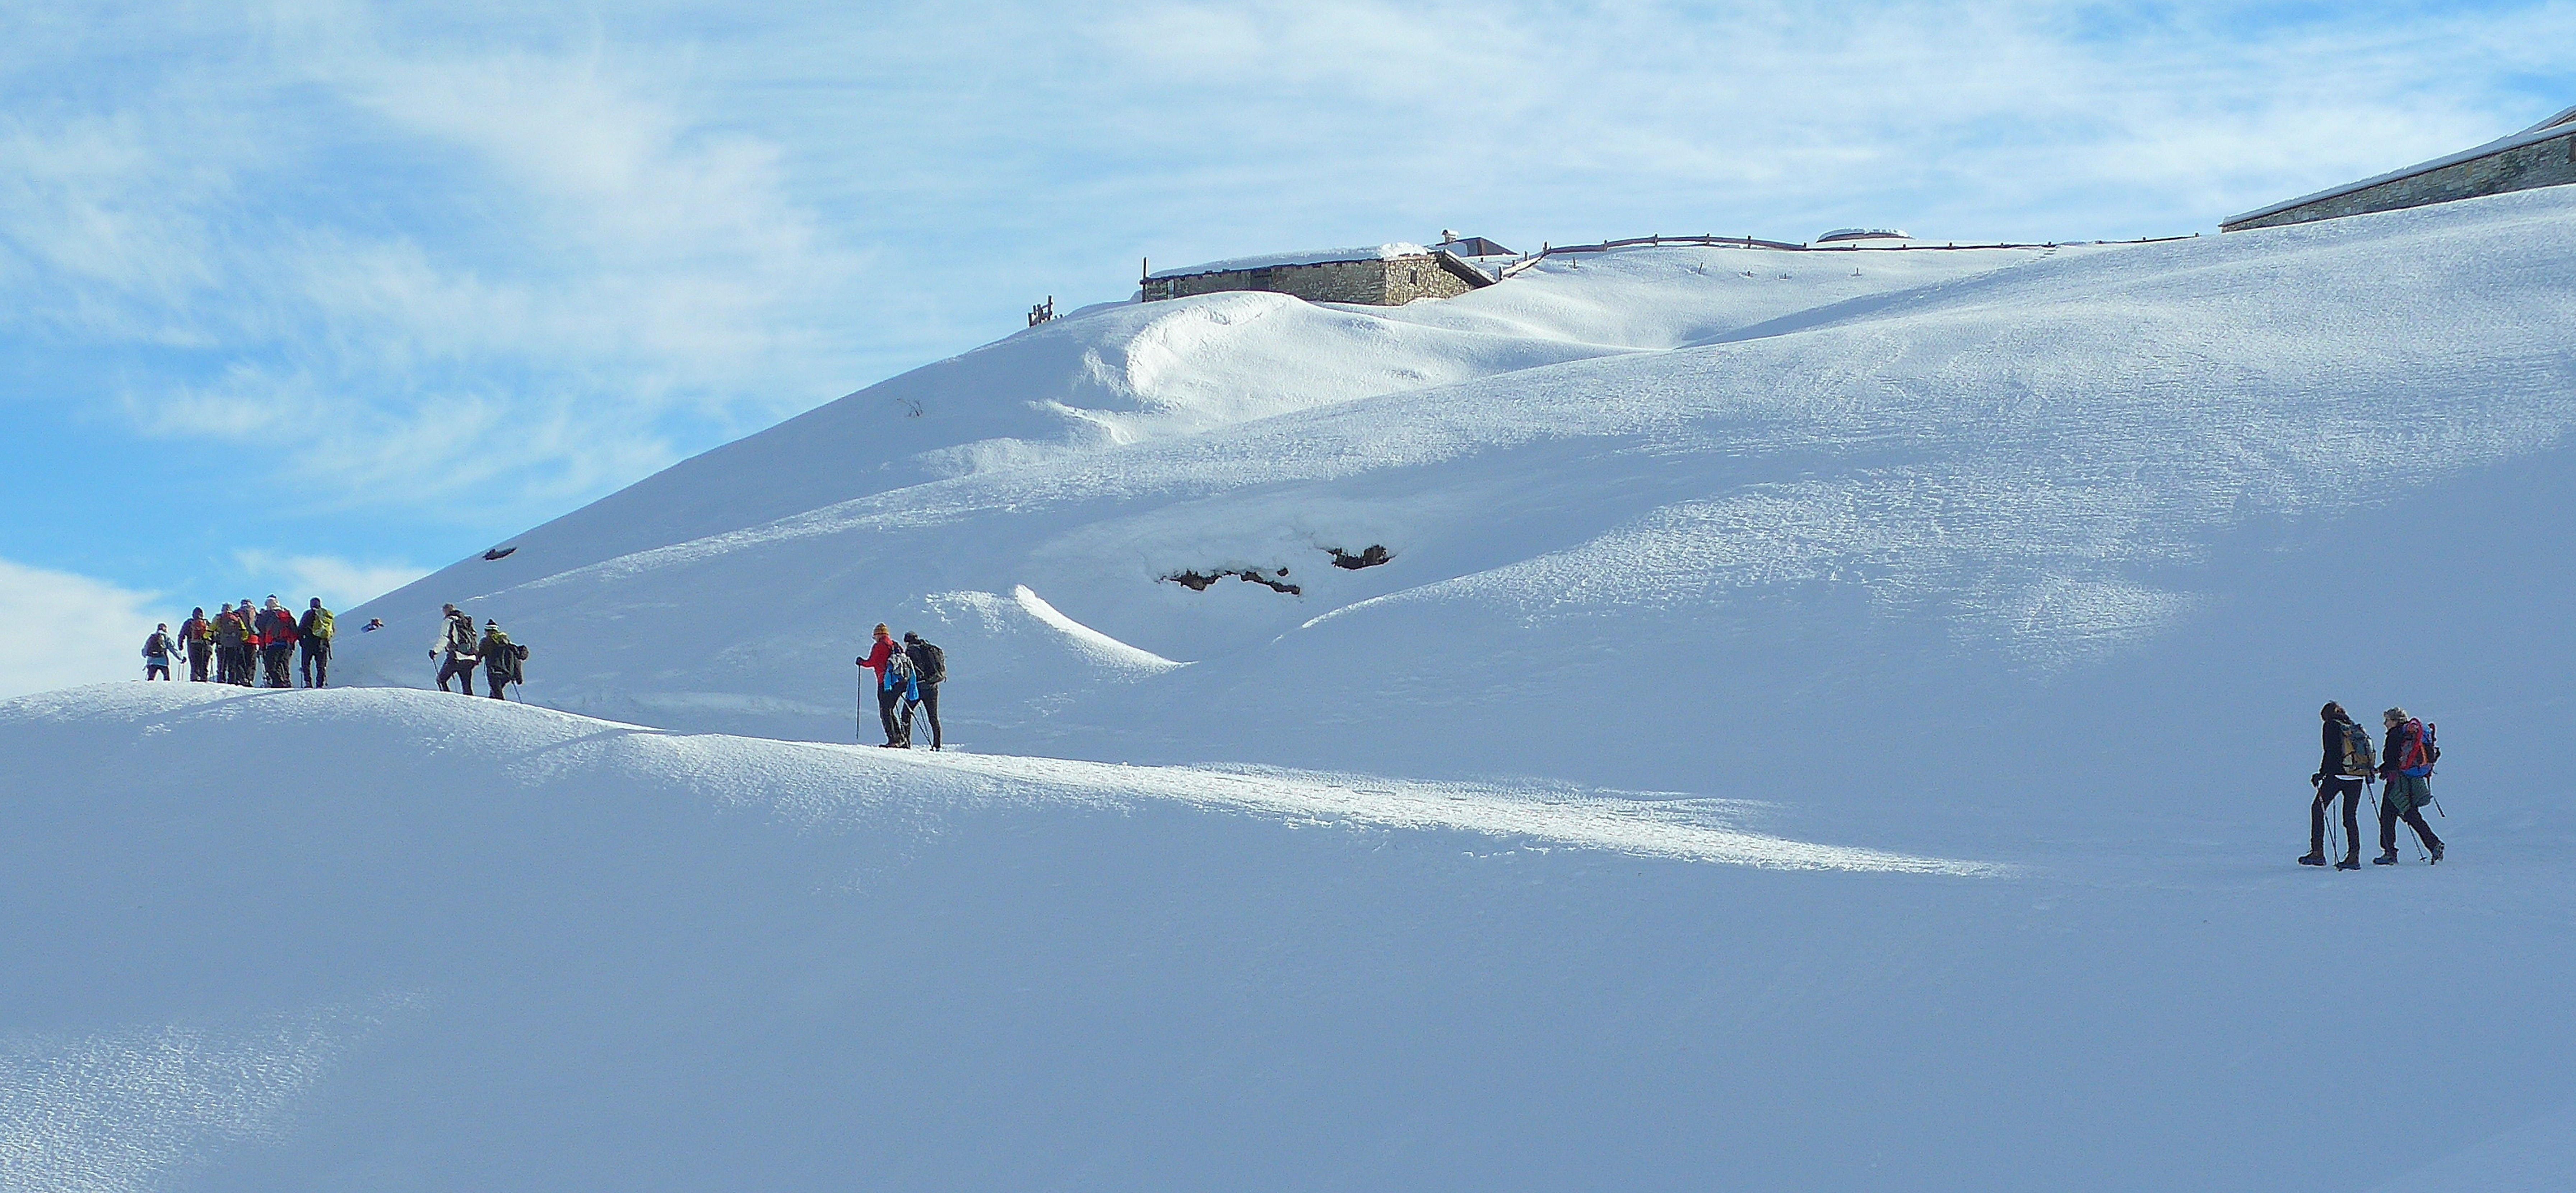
[1369,558]
[1199,581]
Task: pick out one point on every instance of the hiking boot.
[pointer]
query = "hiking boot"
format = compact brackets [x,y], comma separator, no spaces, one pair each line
[2388,858]
[2350,863]
[2314,858]
[2437,853]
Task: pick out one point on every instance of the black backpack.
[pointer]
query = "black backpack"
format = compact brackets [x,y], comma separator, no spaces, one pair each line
[933,666]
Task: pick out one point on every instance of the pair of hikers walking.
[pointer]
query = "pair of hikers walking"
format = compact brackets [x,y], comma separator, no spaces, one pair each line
[459,651]
[908,676]
[2349,765]
[249,647]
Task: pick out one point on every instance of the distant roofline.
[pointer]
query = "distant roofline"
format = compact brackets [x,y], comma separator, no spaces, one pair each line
[2556,126]
[1391,251]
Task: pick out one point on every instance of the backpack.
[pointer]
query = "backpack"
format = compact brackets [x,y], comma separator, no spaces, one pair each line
[2425,750]
[2359,759]
[321,623]
[898,669]
[934,666]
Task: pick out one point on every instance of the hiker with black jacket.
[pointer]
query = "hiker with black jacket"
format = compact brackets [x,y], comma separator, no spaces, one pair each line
[2341,770]
[456,641]
[313,634]
[198,635]
[2407,767]
[929,670]
[232,636]
[500,658]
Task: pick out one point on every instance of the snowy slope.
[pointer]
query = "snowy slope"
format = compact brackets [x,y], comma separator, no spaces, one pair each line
[1124,373]
[494,946]
[1811,732]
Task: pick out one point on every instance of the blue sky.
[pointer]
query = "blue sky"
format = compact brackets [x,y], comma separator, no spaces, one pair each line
[312,297]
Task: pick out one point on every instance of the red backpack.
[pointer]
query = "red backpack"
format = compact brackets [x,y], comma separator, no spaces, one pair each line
[2421,753]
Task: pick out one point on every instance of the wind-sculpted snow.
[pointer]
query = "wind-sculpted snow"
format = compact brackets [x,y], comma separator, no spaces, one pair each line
[2027,467]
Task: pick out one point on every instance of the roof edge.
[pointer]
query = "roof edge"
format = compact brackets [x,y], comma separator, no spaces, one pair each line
[2560,125]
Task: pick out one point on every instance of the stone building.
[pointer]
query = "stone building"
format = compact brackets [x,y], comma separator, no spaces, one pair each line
[1386,275]
[2542,155]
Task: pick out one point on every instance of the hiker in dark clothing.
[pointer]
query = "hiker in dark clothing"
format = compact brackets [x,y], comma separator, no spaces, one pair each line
[232,631]
[246,664]
[2406,793]
[313,634]
[456,641]
[929,670]
[878,661]
[198,635]
[2341,770]
[156,653]
[277,643]
[500,658]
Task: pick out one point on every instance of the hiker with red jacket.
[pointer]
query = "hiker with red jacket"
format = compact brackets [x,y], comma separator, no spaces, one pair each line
[879,656]
[277,642]
[2342,771]
[2407,766]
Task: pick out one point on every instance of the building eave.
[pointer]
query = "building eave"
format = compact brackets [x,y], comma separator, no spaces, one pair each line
[2560,125]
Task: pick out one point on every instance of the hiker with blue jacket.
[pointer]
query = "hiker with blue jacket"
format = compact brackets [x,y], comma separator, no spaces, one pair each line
[2341,771]
[2407,766]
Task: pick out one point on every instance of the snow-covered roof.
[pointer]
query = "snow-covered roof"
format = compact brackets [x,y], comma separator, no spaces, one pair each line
[1375,252]
[2556,126]
[1863,234]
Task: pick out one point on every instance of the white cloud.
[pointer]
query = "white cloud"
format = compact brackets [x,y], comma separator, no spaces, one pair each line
[75,630]
[492,260]
[339,582]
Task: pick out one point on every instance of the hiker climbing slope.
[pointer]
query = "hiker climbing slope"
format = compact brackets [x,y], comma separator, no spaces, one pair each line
[929,670]
[2341,771]
[198,635]
[456,642]
[277,643]
[232,632]
[880,653]
[501,658]
[156,652]
[313,634]
[2407,766]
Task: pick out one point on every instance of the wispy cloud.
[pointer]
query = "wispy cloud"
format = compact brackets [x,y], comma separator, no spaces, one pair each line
[339,582]
[93,631]
[478,262]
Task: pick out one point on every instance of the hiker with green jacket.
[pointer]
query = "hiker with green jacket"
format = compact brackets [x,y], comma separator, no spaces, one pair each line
[313,633]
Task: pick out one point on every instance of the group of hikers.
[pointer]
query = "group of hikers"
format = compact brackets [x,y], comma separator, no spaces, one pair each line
[908,675]
[2404,763]
[249,647]
[458,650]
